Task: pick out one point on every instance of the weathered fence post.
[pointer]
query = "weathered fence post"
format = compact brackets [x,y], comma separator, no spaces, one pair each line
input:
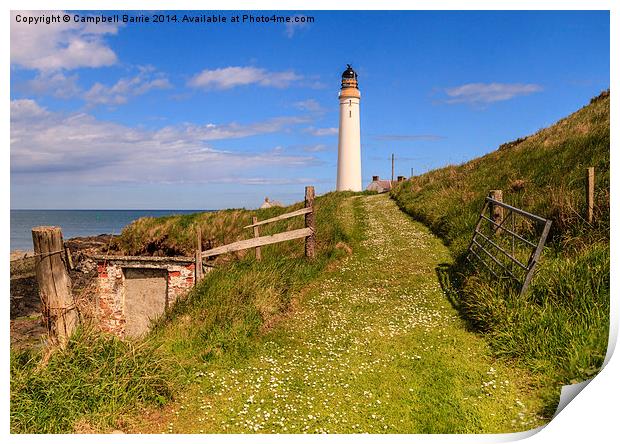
[496,211]
[198,257]
[590,195]
[58,307]
[310,222]
[256,234]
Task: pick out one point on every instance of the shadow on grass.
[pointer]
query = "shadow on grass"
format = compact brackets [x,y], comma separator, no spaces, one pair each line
[450,277]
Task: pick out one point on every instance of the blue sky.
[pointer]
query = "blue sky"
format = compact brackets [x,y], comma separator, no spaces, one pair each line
[208,116]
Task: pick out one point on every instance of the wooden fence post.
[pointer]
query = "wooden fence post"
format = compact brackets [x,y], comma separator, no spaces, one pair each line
[590,195]
[256,234]
[58,307]
[497,212]
[310,223]
[198,257]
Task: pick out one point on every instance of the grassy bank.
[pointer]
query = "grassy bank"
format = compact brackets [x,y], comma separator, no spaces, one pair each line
[560,327]
[98,379]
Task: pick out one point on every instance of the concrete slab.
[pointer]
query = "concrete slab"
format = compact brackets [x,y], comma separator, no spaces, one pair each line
[146,292]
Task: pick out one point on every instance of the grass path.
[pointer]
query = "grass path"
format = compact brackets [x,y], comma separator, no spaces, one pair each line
[374,346]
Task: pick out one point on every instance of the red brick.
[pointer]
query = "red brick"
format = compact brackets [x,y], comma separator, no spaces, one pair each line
[189,280]
[190,266]
[174,273]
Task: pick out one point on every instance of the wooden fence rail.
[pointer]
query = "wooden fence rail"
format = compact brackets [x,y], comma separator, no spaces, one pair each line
[258,241]
[299,212]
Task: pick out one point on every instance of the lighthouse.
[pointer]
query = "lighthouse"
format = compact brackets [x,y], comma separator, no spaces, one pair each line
[349,148]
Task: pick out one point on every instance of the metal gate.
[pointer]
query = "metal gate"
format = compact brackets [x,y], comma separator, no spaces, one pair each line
[509,254]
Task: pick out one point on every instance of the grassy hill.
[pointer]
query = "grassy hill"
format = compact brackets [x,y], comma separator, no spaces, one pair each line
[560,327]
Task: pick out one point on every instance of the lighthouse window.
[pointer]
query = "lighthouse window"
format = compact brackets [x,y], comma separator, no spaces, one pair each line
[349,113]
[349,102]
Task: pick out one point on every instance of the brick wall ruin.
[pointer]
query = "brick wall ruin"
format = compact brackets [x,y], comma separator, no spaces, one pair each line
[133,290]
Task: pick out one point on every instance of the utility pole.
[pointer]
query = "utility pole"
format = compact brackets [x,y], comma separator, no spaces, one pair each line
[411,171]
[392,167]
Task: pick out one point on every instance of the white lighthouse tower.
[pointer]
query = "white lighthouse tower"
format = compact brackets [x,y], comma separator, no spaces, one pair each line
[349,148]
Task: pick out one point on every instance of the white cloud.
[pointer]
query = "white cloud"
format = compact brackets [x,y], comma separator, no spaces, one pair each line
[311,148]
[315,148]
[322,131]
[233,76]
[408,137]
[63,86]
[267,180]
[26,108]
[309,105]
[56,46]
[481,93]
[146,80]
[80,149]
[232,130]
[56,84]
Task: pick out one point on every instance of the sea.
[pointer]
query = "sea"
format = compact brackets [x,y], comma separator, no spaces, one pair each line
[76,223]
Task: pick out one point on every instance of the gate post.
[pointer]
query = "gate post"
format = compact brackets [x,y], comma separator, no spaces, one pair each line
[497,212]
[58,307]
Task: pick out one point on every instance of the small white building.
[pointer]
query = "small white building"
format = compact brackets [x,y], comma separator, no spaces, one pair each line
[378,185]
[270,203]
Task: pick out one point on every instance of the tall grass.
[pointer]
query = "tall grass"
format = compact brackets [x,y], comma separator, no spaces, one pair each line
[560,327]
[88,386]
[89,382]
